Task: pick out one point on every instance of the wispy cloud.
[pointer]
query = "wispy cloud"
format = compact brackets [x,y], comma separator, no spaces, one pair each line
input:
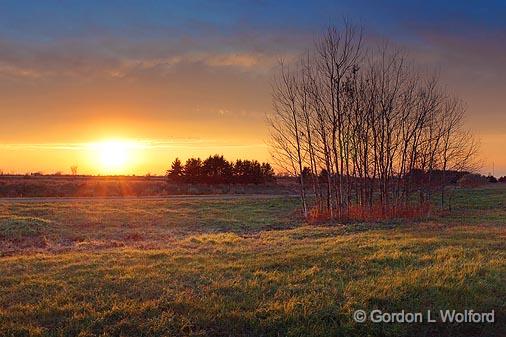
[133,144]
[104,58]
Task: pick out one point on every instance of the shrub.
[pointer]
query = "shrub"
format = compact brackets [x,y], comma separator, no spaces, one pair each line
[472,180]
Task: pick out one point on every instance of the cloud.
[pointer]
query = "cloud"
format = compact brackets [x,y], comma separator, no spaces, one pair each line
[134,144]
[236,61]
[109,57]
[10,70]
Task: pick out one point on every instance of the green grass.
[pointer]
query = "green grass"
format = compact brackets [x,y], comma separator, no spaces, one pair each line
[243,267]
[68,224]
[485,205]
[19,227]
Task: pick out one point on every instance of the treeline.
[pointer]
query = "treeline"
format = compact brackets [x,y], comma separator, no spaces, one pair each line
[419,178]
[217,170]
[368,123]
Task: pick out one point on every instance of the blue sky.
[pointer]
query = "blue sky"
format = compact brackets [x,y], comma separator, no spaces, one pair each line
[59,19]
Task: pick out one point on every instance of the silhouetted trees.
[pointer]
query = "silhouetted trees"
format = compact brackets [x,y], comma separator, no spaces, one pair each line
[368,123]
[246,172]
[217,170]
[192,172]
[176,171]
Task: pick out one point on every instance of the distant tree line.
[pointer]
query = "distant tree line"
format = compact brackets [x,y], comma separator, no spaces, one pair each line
[217,170]
[375,129]
[419,178]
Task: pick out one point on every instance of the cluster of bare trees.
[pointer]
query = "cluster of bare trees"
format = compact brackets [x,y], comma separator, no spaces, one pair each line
[359,125]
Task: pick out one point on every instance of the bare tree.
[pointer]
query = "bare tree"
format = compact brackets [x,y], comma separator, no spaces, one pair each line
[73,170]
[369,127]
[286,125]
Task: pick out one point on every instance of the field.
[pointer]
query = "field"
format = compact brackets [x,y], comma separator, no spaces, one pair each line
[15,186]
[243,266]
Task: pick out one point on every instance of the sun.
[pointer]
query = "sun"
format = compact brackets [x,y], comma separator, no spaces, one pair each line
[112,155]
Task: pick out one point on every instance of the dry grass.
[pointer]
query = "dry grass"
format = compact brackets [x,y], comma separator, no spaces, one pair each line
[242,267]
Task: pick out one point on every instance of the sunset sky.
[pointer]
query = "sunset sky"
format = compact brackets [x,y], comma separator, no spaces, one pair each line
[123,87]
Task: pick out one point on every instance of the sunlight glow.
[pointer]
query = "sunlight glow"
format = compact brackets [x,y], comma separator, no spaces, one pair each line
[112,156]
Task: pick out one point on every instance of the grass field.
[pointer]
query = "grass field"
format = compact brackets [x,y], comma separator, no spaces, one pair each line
[244,267]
